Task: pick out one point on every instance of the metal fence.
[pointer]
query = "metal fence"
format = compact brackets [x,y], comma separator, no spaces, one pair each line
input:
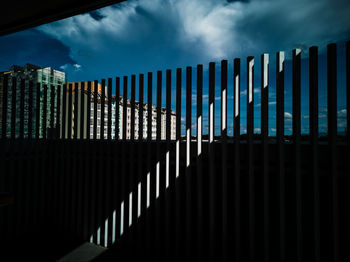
[218,197]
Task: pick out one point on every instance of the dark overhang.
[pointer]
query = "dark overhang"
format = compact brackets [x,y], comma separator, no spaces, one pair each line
[18,15]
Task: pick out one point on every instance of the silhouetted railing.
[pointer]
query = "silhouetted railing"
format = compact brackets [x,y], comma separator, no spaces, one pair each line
[115,171]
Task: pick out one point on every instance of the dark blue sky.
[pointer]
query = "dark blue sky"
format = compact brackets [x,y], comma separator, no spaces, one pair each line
[139,36]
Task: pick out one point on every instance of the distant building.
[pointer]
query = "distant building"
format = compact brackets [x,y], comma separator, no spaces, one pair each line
[99,92]
[114,103]
[44,76]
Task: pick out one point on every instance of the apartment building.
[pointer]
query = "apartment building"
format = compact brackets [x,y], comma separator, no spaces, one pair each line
[114,103]
[53,79]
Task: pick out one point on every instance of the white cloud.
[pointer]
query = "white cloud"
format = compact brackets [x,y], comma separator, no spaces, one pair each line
[64,67]
[288,115]
[256,90]
[143,35]
[342,113]
[77,67]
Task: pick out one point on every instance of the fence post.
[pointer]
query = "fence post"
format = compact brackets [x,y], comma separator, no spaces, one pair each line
[142,177]
[109,130]
[125,180]
[103,101]
[82,111]
[76,111]
[52,111]
[313,122]
[237,180]
[44,127]
[280,148]
[224,184]
[264,138]
[142,182]
[332,135]
[188,180]
[117,111]
[4,107]
[70,111]
[64,111]
[169,179]
[133,194]
[125,106]
[348,91]
[88,111]
[212,178]
[95,108]
[150,186]
[30,110]
[296,54]
[200,178]
[178,192]
[13,107]
[21,113]
[250,162]
[58,113]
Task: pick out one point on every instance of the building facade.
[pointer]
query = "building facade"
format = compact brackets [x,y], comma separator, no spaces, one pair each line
[116,102]
[52,79]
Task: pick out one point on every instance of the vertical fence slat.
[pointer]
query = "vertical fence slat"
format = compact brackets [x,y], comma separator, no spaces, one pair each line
[250,162]
[296,55]
[149,187]
[4,107]
[159,129]
[125,106]
[178,119]
[168,125]
[178,192]
[224,184]
[332,135]
[265,156]
[75,111]
[132,177]
[83,109]
[95,108]
[88,111]
[132,104]
[159,178]
[21,109]
[103,104]
[30,110]
[313,122]
[348,91]
[200,178]
[212,178]
[52,111]
[141,87]
[109,130]
[125,180]
[58,112]
[153,178]
[70,111]
[142,179]
[117,111]
[188,181]
[13,107]
[44,112]
[64,111]
[280,149]
[168,180]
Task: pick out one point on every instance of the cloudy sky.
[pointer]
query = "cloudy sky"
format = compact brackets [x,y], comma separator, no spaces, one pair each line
[139,36]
